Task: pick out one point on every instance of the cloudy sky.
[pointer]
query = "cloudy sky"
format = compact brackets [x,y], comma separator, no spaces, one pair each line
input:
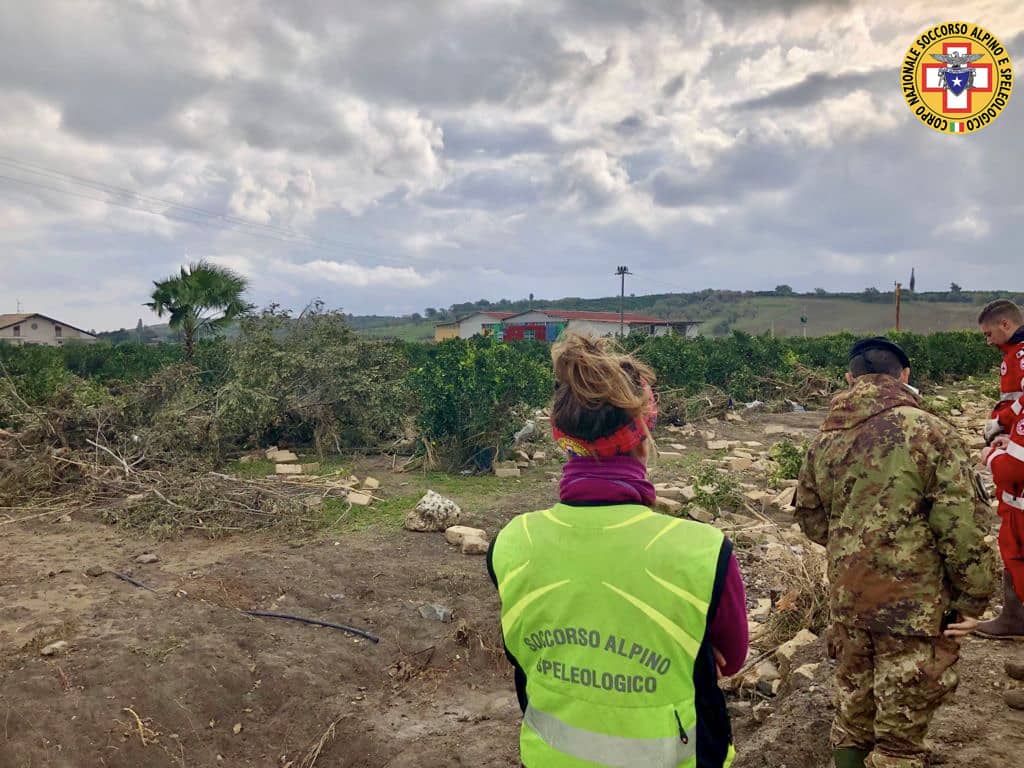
[391,155]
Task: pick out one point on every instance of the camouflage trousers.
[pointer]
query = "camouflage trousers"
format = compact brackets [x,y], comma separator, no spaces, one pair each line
[887,689]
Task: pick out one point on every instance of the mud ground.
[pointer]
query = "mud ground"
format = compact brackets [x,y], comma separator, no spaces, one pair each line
[181,677]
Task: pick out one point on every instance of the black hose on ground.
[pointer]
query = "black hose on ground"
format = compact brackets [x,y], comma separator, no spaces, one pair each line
[130,580]
[315,622]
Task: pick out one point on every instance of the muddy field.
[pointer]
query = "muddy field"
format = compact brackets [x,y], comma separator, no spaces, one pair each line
[179,676]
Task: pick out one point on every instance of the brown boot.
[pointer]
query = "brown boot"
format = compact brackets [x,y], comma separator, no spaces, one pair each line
[1014,699]
[1008,625]
[1015,670]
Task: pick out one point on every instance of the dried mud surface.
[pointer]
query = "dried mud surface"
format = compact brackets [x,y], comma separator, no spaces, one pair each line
[181,677]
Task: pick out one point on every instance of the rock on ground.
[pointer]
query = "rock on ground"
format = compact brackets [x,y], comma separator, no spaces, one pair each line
[54,648]
[433,513]
[668,506]
[436,612]
[475,545]
[457,533]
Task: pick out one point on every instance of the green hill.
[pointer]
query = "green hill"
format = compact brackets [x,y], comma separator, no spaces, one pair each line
[719,312]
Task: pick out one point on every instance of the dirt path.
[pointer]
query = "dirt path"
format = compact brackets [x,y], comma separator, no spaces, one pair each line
[182,678]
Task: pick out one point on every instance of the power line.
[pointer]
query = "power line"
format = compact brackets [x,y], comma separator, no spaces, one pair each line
[105,201]
[226,221]
[42,170]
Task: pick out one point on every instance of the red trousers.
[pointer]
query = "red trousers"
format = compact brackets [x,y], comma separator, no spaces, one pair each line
[1011,542]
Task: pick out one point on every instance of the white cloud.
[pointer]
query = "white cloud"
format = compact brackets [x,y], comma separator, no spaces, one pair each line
[356,275]
[970,225]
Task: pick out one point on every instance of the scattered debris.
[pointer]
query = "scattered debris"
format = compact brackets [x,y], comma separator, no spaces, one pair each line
[457,533]
[359,499]
[475,545]
[720,445]
[54,648]
[147,558]
[668,506]
[281,457]
[700,514]
[784,653]
[436,612]
[371,484]
[525,433]
[95,570]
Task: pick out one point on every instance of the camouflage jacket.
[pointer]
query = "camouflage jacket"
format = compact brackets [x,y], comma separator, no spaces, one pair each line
[890,491]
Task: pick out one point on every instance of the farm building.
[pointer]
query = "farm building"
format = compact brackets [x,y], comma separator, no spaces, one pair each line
[443,331]
[548,324]
[34,328]
[469,326]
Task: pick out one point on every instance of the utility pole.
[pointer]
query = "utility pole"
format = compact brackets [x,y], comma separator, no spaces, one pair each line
[19,306]
[899,296]
[622,271]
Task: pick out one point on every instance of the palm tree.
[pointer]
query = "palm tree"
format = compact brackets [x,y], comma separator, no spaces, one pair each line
[204,297]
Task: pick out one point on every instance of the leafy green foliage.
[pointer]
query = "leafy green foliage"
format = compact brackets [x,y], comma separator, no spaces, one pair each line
[751,367]
[788,458]
[310,380]
[716,491]
[469,394]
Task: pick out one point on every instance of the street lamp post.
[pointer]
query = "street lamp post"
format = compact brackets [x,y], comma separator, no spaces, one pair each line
[622,271]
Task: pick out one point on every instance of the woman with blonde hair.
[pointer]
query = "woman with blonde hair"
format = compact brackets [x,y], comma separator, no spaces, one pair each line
[617,620]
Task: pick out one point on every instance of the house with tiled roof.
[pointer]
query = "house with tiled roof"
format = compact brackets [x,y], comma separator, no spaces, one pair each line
[33,328]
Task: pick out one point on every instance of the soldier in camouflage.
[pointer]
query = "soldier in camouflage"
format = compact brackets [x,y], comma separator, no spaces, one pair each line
[889,489]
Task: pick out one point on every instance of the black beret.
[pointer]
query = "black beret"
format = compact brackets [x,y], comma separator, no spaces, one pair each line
[879,342]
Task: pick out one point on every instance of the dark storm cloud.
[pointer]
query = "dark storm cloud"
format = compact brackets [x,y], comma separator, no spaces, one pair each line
[817,87]
[747,167]
[493,55]
[730,9]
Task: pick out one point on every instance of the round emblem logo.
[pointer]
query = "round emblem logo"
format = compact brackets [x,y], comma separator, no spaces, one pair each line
[1020,427]
[956,77]
[1003,369]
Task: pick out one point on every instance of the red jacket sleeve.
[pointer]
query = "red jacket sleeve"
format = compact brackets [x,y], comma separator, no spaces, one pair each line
[1008,465]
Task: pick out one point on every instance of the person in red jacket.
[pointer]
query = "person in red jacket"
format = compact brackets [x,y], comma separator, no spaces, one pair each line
[1002,324]
[1006,460]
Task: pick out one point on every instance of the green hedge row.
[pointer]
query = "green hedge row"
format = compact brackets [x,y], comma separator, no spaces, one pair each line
[463,393]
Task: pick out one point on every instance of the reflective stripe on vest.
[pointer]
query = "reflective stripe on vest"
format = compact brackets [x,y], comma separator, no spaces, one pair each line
[1016,407]
[1017,502]
[1016,450]
[618,751]
[1008,397]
